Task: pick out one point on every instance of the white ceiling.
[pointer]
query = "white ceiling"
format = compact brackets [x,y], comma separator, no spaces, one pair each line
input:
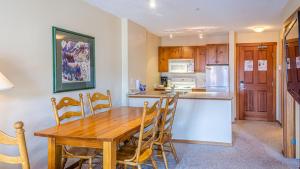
[212,16]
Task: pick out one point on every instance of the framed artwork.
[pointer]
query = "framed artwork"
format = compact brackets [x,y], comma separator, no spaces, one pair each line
[73,61]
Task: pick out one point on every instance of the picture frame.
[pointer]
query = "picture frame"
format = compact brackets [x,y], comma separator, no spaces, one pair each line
[73,61]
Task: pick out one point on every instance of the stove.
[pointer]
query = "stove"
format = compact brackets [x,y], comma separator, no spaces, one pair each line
[183,83]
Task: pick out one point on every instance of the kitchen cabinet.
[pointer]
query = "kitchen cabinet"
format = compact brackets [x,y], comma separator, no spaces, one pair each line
[200,59]
[212,54]
[188,52]
[217,54]
[174,52]
[163,57]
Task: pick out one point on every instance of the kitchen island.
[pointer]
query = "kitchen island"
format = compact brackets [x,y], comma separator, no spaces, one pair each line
[201,117]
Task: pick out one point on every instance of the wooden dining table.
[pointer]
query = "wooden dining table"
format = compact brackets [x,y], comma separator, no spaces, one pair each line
[103,130]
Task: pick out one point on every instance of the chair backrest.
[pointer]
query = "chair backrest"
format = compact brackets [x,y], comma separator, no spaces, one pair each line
[167,118]
[67,102]
[19,140]
[95,100]
[148,129]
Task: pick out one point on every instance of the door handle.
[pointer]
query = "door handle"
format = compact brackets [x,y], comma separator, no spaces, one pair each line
[242,85]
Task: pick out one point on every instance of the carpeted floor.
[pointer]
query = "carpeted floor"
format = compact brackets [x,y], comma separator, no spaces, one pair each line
[257,145]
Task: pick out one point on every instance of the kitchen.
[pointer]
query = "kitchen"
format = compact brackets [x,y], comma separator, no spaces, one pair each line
[201,75]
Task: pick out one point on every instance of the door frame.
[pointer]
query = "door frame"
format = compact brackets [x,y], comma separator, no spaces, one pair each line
[237,73]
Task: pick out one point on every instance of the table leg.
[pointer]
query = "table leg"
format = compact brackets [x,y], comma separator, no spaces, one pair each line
[109,155]
[54,154]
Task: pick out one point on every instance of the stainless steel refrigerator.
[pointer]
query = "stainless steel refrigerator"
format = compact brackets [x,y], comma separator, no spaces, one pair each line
[217,78]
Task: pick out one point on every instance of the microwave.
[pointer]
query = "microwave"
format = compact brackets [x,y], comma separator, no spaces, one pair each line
[181,65]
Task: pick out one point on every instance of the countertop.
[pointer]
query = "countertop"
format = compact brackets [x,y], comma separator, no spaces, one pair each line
[188,95]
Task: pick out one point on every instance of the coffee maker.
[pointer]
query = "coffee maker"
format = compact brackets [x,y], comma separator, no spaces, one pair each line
[164,81]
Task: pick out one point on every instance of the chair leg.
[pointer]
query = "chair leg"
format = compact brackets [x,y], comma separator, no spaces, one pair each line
[80,163]
[63,163]
[164,156]
[154,165]
[90,163]
[174,152]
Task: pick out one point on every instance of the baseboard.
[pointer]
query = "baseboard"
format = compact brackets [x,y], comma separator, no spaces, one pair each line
[202,142]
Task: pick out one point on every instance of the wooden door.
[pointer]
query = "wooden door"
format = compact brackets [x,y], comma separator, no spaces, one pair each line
[256,81]
[211,54]
[222,54]
[188,52]
[163,56]
[200,59]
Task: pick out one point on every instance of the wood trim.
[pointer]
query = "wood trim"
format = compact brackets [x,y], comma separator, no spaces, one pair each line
[79,142]
[289,127]
[274,79]
[202,142]
[274,44]
[256,44]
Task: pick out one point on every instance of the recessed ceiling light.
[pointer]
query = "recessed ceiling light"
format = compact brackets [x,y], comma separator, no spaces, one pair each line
[152,4]
[258,29]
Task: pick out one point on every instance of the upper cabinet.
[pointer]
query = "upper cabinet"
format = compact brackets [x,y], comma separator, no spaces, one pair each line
[166,53]
[202,55]
[163,57]
[200,59]
[217,54]
[174,52]
[188,52]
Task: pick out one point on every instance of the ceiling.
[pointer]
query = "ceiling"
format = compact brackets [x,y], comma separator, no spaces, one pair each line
[189,16]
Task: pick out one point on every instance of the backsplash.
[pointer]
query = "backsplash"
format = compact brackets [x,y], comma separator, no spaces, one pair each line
[200,77]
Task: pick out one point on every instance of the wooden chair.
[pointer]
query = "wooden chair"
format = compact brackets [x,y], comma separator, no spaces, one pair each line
[18,140]
[165,129]
[136,155]
[99,97]
[72,152]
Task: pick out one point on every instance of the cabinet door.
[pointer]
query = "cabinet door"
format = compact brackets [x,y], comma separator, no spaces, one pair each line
[222,54]
[175,52]
[188,52]
[211,54]
[200,59]
[163,54]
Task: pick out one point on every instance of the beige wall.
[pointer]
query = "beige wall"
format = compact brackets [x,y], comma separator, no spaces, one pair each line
[26,59]
[153,77]
[142,56]
[253,37]
[193,40]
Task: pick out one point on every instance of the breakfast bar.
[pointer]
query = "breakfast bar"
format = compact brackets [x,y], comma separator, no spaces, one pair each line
[201,117]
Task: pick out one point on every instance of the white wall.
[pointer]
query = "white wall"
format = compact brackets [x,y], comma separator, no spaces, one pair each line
[142,56]
[193,40]
[26,59]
